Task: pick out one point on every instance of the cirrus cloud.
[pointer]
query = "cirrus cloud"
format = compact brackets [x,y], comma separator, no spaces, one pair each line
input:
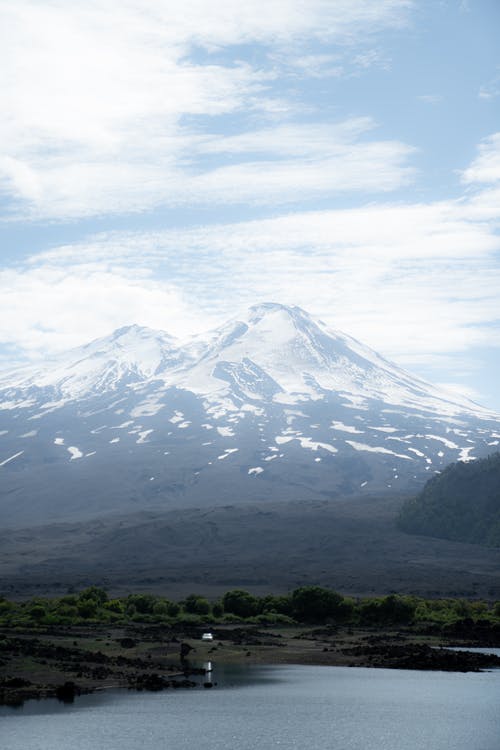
[105,102]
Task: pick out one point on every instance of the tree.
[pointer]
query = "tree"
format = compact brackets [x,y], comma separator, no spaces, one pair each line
[94,592]
[197,605]
[240,603]
[141,603]
[315,604]
[87,608]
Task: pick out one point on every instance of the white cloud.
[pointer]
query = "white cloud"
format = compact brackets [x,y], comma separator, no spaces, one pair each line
[49,308]
[418,282]
[97,97]
[486,166]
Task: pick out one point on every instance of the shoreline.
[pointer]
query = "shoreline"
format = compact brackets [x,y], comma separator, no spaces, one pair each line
[67,662]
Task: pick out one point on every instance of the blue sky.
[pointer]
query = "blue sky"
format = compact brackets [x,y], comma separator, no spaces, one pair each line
[169,164]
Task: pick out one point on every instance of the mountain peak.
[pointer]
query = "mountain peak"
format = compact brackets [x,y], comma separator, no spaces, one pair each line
[263,310]
[134,332]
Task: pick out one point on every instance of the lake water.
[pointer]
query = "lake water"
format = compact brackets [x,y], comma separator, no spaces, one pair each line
[283,707]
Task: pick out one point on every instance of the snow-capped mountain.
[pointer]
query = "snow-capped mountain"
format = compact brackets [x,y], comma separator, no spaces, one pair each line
[272,404]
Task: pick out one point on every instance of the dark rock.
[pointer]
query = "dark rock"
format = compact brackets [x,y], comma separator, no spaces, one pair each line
[66,693]
[127,642]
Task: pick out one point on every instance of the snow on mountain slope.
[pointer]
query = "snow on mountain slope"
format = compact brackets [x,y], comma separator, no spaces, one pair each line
[131,354]
[272,404]
[304,358]
[279,350]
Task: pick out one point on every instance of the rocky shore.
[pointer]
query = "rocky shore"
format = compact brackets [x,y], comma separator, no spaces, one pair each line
[66,662]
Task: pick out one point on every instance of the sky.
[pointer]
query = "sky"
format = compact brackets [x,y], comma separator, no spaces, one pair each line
[169,164]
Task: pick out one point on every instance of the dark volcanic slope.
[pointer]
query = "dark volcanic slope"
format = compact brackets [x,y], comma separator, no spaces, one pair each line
[351,546]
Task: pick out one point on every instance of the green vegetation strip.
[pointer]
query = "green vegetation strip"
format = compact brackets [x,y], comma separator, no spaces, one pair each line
[308,604]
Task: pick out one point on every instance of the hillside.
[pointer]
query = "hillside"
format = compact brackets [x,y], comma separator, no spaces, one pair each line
[350,545]
[461,504]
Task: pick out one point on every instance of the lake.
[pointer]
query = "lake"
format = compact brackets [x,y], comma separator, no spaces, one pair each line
[281,707]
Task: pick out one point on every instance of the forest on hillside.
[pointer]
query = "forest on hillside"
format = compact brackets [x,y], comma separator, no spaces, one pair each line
[462,504]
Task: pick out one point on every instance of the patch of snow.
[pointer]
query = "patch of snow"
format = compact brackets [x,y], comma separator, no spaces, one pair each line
[356,402]
[58,441]
[256,470]
[363,484]
[317,459]
[11,458]
[115,440]
[183,425]
[344,427]
[219,406]
[253,409]
[445,441]
[306,442]
[376,449]
[143,436]
[123,425]
[4,432]
[75,452]
[225,431]
[207,426]
[493,442]
[270,458]
[147,408]
[417,453]
[178,417]
[464,454]
[92,453]
[228,452]
[99,429]
[383,429]
[17,404]
[33,433]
